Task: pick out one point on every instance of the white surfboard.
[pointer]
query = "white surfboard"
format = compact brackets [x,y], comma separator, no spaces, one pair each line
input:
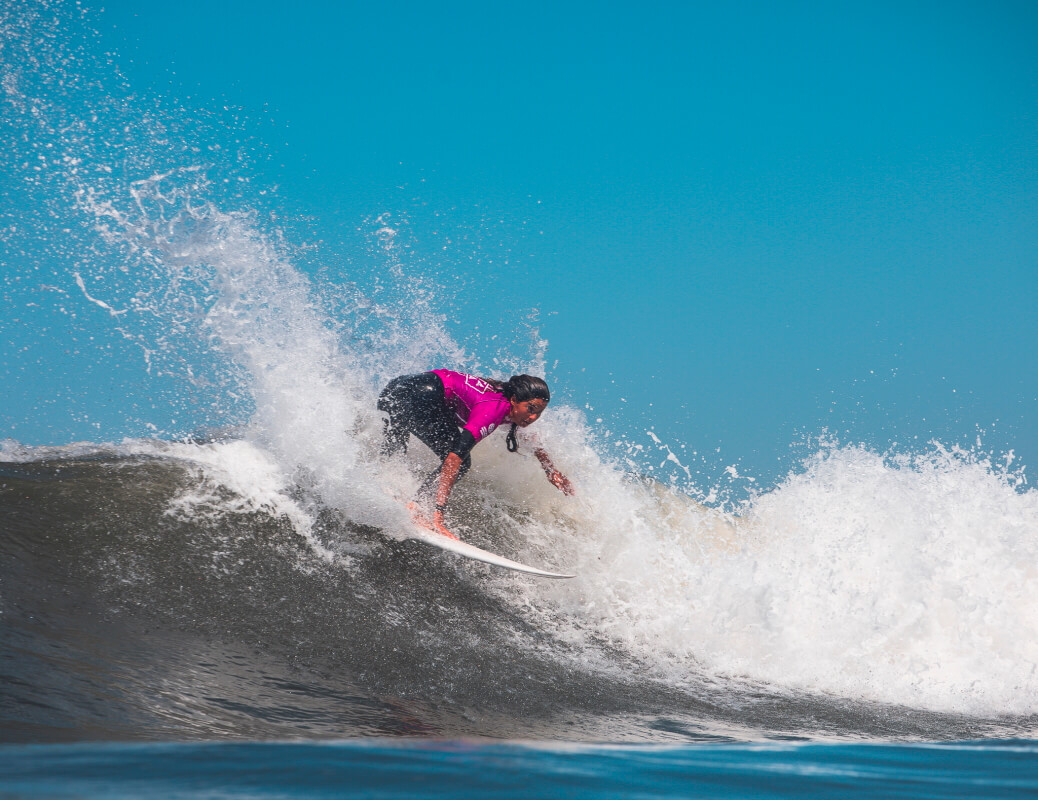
[477,554]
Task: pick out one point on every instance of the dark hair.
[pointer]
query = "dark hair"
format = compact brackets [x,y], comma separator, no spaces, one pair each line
[519,389]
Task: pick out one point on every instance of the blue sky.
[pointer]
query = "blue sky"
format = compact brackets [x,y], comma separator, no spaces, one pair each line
[741,222]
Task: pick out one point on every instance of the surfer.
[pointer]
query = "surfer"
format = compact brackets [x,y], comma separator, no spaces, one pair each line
[451,412]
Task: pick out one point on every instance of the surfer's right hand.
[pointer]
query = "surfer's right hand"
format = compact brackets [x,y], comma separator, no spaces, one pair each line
[439,526]
[436,524]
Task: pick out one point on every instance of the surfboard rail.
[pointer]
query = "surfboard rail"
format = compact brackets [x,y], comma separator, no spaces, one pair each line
[478,554]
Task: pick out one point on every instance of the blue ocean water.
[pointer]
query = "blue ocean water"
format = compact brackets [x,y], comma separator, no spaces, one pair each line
[379,769]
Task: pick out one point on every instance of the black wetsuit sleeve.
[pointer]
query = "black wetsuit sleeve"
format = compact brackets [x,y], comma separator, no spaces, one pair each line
[463,443]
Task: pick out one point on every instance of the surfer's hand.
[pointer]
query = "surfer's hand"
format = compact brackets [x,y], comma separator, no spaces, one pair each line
[560,481]
[439,526]
[435,524]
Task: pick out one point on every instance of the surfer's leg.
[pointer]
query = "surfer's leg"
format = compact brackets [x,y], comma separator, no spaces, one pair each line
[440,433]
[415,404]
[407,401]
[394,433]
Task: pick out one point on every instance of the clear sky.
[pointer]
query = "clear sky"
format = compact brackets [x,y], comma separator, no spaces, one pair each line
[740,222]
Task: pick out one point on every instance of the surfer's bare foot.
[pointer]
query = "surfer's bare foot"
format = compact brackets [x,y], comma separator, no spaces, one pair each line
[417,517]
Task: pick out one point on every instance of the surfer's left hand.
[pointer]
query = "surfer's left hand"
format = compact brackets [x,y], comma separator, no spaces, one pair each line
[561,482]
[558,480]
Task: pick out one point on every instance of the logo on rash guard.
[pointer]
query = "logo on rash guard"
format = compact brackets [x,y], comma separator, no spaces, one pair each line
[478,384]
[485,432]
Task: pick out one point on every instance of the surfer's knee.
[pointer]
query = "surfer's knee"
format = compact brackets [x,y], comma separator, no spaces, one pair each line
[394,438]
[389,397]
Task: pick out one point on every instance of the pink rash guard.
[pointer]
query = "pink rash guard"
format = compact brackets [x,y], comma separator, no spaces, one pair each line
[478,406]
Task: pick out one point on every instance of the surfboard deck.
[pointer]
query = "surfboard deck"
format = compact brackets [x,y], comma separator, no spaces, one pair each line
[478,554]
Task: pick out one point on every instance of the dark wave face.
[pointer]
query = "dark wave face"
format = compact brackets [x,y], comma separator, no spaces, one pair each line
[263,586]
[125,620]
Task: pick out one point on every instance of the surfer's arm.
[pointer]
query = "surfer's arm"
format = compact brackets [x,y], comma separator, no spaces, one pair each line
[450,471]
[448,477]
[558,480]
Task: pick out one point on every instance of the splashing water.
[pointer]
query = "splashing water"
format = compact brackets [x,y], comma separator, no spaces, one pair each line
[905,579]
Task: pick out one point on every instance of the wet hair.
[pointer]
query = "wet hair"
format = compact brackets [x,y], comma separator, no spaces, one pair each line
[519,389]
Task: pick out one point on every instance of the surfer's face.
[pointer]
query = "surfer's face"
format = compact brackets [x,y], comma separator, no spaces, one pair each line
[522,414]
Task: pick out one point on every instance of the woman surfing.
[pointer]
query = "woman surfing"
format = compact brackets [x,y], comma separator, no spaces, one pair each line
[451,412]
